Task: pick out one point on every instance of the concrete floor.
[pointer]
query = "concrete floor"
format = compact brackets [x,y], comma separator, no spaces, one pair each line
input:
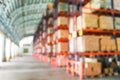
[28,68]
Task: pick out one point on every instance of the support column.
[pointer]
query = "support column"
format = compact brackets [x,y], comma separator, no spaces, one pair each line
[4,52]
[12,50]
[7,49]
[2,47]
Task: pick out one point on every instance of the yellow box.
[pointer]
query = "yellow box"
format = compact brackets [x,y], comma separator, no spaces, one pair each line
[87,20]
[62,21]
[106,22]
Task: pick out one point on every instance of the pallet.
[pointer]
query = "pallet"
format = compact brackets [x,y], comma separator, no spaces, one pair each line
[94,76]
[92,28]
[109,51]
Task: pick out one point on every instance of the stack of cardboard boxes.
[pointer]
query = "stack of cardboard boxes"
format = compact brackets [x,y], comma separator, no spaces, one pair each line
[106,22]
[61,26]
[97,4]
[116,4]
[107,44]
[118,44]
[90,42]
[85,21]
[92,67]
[50,30]
[117,23]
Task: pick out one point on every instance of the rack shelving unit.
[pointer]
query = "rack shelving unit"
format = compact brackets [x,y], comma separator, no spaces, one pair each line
[74,60]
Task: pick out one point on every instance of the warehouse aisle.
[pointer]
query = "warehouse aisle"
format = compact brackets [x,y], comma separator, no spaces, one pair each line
[28,68]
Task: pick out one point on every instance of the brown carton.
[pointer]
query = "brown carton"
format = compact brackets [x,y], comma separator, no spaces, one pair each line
[62,47]
[106,22]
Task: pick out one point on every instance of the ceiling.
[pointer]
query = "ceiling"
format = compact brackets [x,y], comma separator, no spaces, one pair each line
[20,18]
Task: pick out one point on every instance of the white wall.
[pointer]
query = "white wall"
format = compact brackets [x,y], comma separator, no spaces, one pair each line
[29,45]
[2,39]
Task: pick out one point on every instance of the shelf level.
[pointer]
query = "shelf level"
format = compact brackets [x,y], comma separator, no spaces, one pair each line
[99,54]
[98,32]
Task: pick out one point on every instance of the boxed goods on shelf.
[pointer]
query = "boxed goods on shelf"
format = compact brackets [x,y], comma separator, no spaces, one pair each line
[49,39]
[50,20]
[106,22]
[92,69]
[117,23]
[50,8]
[108,71]
[44,35]
[97,4]
[85,21]
[118,64]
[116,4]
[72,8]
[107,44]
[90,42]
[93,60]
[62,34]
[118,44]
[62,47]
[49,30]
[62,6]
[62,21]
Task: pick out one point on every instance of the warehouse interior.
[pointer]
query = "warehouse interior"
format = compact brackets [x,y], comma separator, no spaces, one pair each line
[60,39]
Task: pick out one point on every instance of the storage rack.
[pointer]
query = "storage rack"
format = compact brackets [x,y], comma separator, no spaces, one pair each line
[59,58]
[73,57]
[72,63]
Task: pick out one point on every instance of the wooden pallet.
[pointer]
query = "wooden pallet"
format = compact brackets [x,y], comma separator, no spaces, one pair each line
[92,28]
[94,76]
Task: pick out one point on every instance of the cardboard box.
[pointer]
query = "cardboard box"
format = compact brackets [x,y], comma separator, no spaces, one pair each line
[92,69]
[106,22]
[62,47]
[85,21]
[117,23]
[91,60]
[50,20]
[62,6]
[49,39]
[62,34]
[118,43]
[87,43]
[107,44]
[118,63]
[97,4]
[116,4]
[62,21]
[50,30]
